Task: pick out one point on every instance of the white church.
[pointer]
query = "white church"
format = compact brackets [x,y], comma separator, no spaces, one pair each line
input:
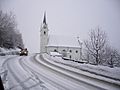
[68,47]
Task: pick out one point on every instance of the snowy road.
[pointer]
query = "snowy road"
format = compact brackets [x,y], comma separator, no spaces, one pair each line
[35,73]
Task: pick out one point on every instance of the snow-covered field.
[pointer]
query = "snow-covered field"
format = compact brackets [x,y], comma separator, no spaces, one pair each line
[41,73]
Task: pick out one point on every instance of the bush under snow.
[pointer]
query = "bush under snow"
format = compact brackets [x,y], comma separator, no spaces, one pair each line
[4,52]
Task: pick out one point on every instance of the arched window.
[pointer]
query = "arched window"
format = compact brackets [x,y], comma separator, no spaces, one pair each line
[44,32]
[55,50]
[76,51]
[70,56]
[64,50]
[70,50]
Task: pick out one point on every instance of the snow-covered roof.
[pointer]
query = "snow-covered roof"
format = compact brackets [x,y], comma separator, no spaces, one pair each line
[63,40]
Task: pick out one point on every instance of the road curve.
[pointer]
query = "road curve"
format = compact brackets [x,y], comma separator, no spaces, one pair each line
[86,79]
[18,78]
[34,72]
[62,79]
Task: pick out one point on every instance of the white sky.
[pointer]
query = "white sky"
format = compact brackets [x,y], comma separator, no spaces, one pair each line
[68,17]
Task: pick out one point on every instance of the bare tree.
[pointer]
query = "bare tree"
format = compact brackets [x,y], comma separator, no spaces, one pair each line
[96,44]
[99,52]
[111,57]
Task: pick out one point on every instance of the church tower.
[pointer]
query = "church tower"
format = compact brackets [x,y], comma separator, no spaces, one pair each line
[43,35]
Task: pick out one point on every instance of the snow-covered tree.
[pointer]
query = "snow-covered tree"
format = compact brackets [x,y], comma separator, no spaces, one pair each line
[9,35]
[98,51]
[111,57]
[95,45]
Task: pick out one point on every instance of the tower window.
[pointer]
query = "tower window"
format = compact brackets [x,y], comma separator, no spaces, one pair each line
[64,50]
[55,50]
[76,51]
[44,32]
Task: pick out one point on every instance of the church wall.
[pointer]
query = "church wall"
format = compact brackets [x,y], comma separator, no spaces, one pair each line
[63,51]
[51,49]
[69,52]
[77,54]
[74,53]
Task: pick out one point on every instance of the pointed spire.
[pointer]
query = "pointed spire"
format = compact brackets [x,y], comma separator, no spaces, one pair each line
[44,20]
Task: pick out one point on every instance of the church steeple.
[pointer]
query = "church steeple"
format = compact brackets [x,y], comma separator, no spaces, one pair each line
[44,20]
[43,35]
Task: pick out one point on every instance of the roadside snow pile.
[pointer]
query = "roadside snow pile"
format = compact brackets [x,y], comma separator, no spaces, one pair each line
[4,71]
[4,52]
[55,54]
[113,73]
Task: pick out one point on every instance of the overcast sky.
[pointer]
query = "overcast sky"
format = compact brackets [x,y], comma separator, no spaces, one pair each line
[68,17]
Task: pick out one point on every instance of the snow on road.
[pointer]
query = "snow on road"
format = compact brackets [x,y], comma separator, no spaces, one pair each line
[33,73]
[52,79]
[87,77]
[105,71]
[17,77]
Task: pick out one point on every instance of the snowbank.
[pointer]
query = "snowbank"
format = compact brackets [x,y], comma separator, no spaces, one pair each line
[55,54]
[4,71]
[4,52]
[113,73]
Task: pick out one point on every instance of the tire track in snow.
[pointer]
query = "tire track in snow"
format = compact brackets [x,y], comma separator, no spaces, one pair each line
[80,85]
[4,66]
[15,76]
[34,77]
[6,60]
[43,77]
[62,78]
[97,81]
[20,83]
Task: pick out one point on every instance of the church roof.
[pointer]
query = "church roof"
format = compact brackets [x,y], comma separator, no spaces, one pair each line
[63,40]
[44,20]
